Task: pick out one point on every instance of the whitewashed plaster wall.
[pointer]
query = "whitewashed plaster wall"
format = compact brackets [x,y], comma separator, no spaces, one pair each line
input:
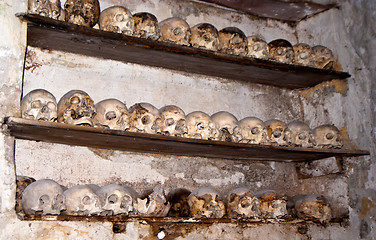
[345,105]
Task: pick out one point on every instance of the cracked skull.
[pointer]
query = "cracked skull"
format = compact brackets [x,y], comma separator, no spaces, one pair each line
[252,130]
[281,50]
[43,197]
[205,202]
[312,207]
[39,104]
[275,132]
[257,47]
[327,136]
[242,203]
[117,19]
[145,118]
[303,55]
[299,134]
[45,8]
[232,40]
[200,126]
[153,203]
[117,199]
[82,12]
[76,107]
[175,30]
[273,205]
[146,26]
[173,121]
[112,114]
[204,35]
[81,200]
[227,126]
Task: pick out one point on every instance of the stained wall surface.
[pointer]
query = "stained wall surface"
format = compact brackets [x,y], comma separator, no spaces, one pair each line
[348,105]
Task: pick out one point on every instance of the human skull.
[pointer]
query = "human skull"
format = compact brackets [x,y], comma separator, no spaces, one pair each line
[312,207]
[117,199]
[327,136]
[82,12]
[146,26]
[242,203]
[257,48]
[206,202]
[281,50]
[145,118]
[232,40]
[276,132]
[81,200]
[179,202]
[153,203]
[44,197]
[204,35]
[112,114]
[299,134]
[76,107]
[200,126]
[303,55]
[324,58]
[227,126]
[272,204]
[252,130]
[117,19]
[45,8]
[173,121]
[175,30]
[39,104]
[22,182]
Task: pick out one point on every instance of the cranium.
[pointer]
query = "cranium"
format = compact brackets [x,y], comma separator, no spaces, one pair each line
[82,12]
[117,199]
[200,126]
[205,202]
[175,30]
[257,47]
[39,104]
[204,35]
[153,203]
[173,121]
[232,40]
[76,107]
[111,113]
[22,182]
[227,126]
[117,19]
[179,202]
[312,207]
[81,200]
[146,26]
[299,134]
[46,8]
[242,203]
[275,132]
[324,58]
[273,204]
[252,130]
[327,136]
[43,197]
[281,50]
[303,55]
[145,118]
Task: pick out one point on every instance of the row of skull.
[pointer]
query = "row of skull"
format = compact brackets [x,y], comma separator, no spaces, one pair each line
[229,40]
[77,107]
[47,197]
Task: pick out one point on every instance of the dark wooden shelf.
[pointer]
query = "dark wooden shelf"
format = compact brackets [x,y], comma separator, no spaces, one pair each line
[159,144]
[52,34]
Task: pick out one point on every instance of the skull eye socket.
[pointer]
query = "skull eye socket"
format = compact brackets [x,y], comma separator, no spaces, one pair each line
[75,100]
[177,31]
[145,120]
[120,17]
[112,199]
[51,105]
[277,133]
[244,203]
[60,199]
[256,47]
[329,136]
[200,126]
[206,37]
[255,130]
[302,136]
[36,104]
[110,115]
[86,200]
[125,202]
[303,55]
[44,199]
[169,122]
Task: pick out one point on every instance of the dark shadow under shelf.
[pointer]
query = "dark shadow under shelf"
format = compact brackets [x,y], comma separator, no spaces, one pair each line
[159,144]
[52,34]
